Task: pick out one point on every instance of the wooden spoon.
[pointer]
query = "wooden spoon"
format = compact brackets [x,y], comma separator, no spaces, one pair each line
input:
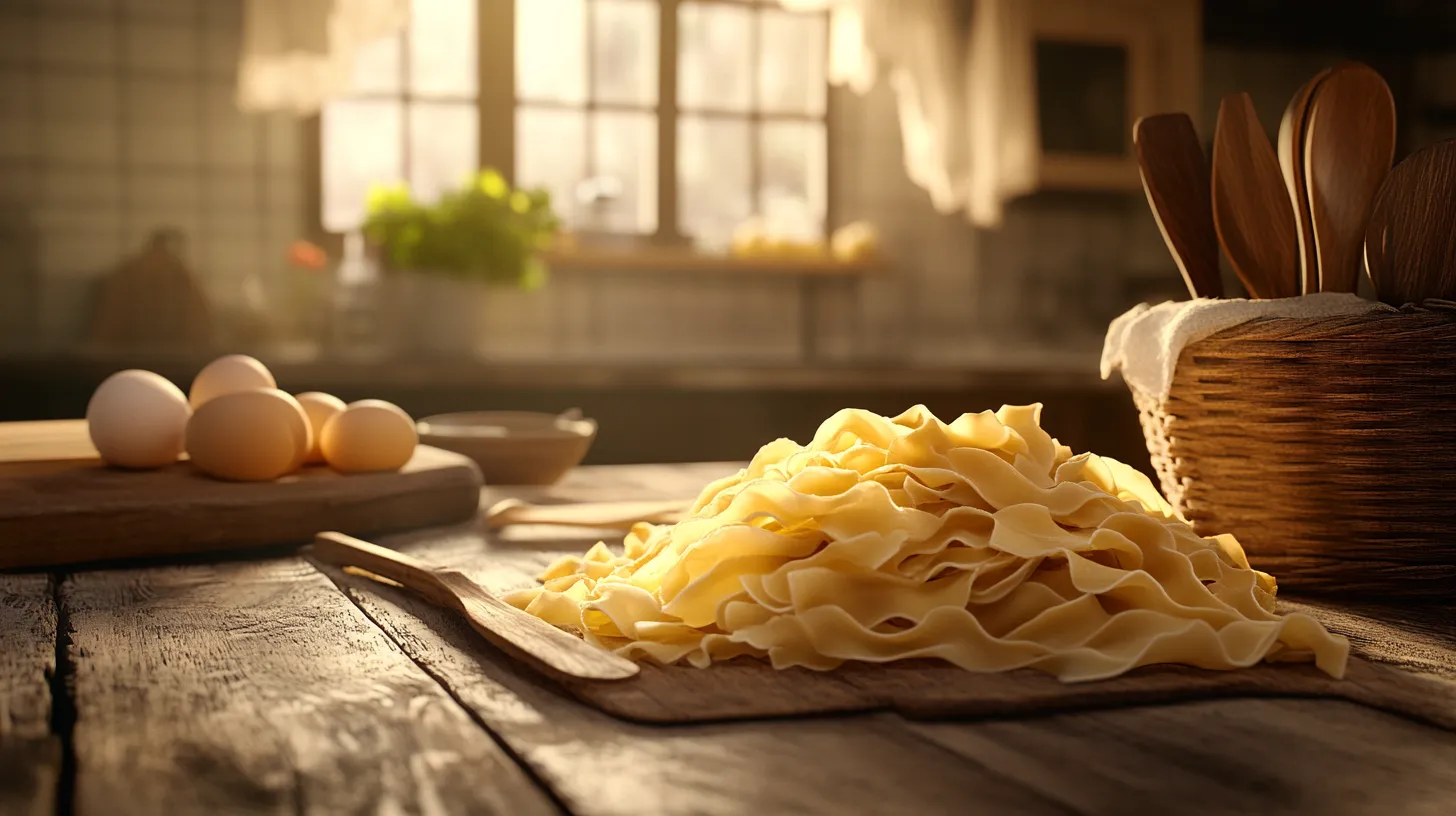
[1349,145]
[1175,178]
[1251,208]
[1410,237]
[1291,161]
[524,636]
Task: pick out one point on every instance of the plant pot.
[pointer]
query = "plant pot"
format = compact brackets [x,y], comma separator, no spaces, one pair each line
[444,315]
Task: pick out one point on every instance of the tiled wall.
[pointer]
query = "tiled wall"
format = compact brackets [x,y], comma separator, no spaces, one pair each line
[116,118]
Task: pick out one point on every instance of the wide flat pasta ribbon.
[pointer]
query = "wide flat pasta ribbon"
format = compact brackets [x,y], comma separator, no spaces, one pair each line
[982,542]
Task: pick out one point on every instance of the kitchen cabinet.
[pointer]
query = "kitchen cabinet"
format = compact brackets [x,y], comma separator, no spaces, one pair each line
[1099,66]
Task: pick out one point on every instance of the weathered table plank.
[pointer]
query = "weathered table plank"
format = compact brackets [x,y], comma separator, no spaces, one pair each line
[260,687]
[30,756]
[1227,756]
[598,765]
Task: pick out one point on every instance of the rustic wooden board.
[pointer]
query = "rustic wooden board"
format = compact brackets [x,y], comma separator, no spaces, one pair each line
[749,689]
[30,755]
[598,765]
[1224,756]
[50,440]
[259,687]
[77,510]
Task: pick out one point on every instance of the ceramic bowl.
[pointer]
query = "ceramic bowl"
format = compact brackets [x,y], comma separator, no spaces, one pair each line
[513,447]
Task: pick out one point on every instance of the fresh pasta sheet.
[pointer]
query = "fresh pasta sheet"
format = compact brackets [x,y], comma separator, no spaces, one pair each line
[983,542]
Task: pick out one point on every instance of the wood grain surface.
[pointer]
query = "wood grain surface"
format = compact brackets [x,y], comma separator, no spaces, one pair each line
[80,511]
[1175,176]
[259,687]
[30,755]
[1251,208]
[1349,146]
[50,440]
[599,765]
[1293,757]
[1410,238]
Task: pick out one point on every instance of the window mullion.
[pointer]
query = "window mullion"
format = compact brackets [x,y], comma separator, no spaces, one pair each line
[405,104]
[755,111]
[668,231]
[495,55]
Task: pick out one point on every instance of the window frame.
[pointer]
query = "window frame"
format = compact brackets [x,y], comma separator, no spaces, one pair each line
[496,102]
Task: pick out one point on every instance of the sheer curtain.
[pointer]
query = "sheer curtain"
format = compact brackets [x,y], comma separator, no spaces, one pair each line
[297,54]
[966,96]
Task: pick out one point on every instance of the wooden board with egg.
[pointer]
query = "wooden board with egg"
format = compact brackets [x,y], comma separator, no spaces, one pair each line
[234,464]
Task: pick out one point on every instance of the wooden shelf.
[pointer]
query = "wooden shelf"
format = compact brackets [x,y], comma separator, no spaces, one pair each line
[688,262]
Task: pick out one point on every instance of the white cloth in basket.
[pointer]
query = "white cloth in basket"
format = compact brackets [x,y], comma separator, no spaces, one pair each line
[1145,342]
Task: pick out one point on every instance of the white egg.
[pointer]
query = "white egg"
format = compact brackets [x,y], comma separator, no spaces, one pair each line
[320,408]
[229,375]
[138,419]
[369,436]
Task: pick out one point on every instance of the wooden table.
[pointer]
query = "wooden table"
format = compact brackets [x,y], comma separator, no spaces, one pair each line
[272,685]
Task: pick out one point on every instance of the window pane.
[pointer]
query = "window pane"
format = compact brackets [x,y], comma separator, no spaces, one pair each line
[442,47]
[377,67]
[350,163]
[791,195]
[551,50]
[714,177]
[714,58]
[551,152]
[624,68]
[442,146]
[625,182]
[792,56]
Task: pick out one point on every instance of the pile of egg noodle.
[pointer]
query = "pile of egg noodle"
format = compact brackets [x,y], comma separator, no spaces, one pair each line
[983,542]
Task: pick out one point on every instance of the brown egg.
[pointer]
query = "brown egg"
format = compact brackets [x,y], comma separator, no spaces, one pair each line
[320,408]
[226,375]
[369,436]
[249,436]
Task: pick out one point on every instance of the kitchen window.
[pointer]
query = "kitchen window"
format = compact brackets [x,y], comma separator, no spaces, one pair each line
[650,121]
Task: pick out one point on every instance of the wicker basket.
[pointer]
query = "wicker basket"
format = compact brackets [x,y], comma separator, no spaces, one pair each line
[1328,447]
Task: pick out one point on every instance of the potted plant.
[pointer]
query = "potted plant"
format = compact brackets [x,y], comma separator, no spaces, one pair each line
[446,255]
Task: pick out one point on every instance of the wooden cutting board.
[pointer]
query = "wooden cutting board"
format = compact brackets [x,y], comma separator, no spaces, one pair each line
[750,689]
[59,504]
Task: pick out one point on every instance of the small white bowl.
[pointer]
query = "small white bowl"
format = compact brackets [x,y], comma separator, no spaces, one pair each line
[514,447]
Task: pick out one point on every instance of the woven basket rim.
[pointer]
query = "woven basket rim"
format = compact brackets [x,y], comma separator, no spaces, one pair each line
[1379,325]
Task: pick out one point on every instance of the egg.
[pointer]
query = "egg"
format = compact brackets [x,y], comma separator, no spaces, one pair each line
[368,436]
[137,419]
[227,375]
[320,408]
[249,436]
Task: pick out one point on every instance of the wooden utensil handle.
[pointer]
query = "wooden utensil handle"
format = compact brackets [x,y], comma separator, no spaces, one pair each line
[524,636]
[346,551]
[592,514]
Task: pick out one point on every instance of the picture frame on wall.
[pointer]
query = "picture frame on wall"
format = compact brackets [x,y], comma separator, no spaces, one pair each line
[1099,67]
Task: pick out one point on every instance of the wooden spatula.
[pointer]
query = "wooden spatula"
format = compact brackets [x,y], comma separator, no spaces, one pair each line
[1251,208]
[1410,236]
[1349,144]
[1291,161]
[1175,177]
[524,636]
[616,515]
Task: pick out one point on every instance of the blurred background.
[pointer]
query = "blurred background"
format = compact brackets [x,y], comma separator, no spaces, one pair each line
[706,223]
